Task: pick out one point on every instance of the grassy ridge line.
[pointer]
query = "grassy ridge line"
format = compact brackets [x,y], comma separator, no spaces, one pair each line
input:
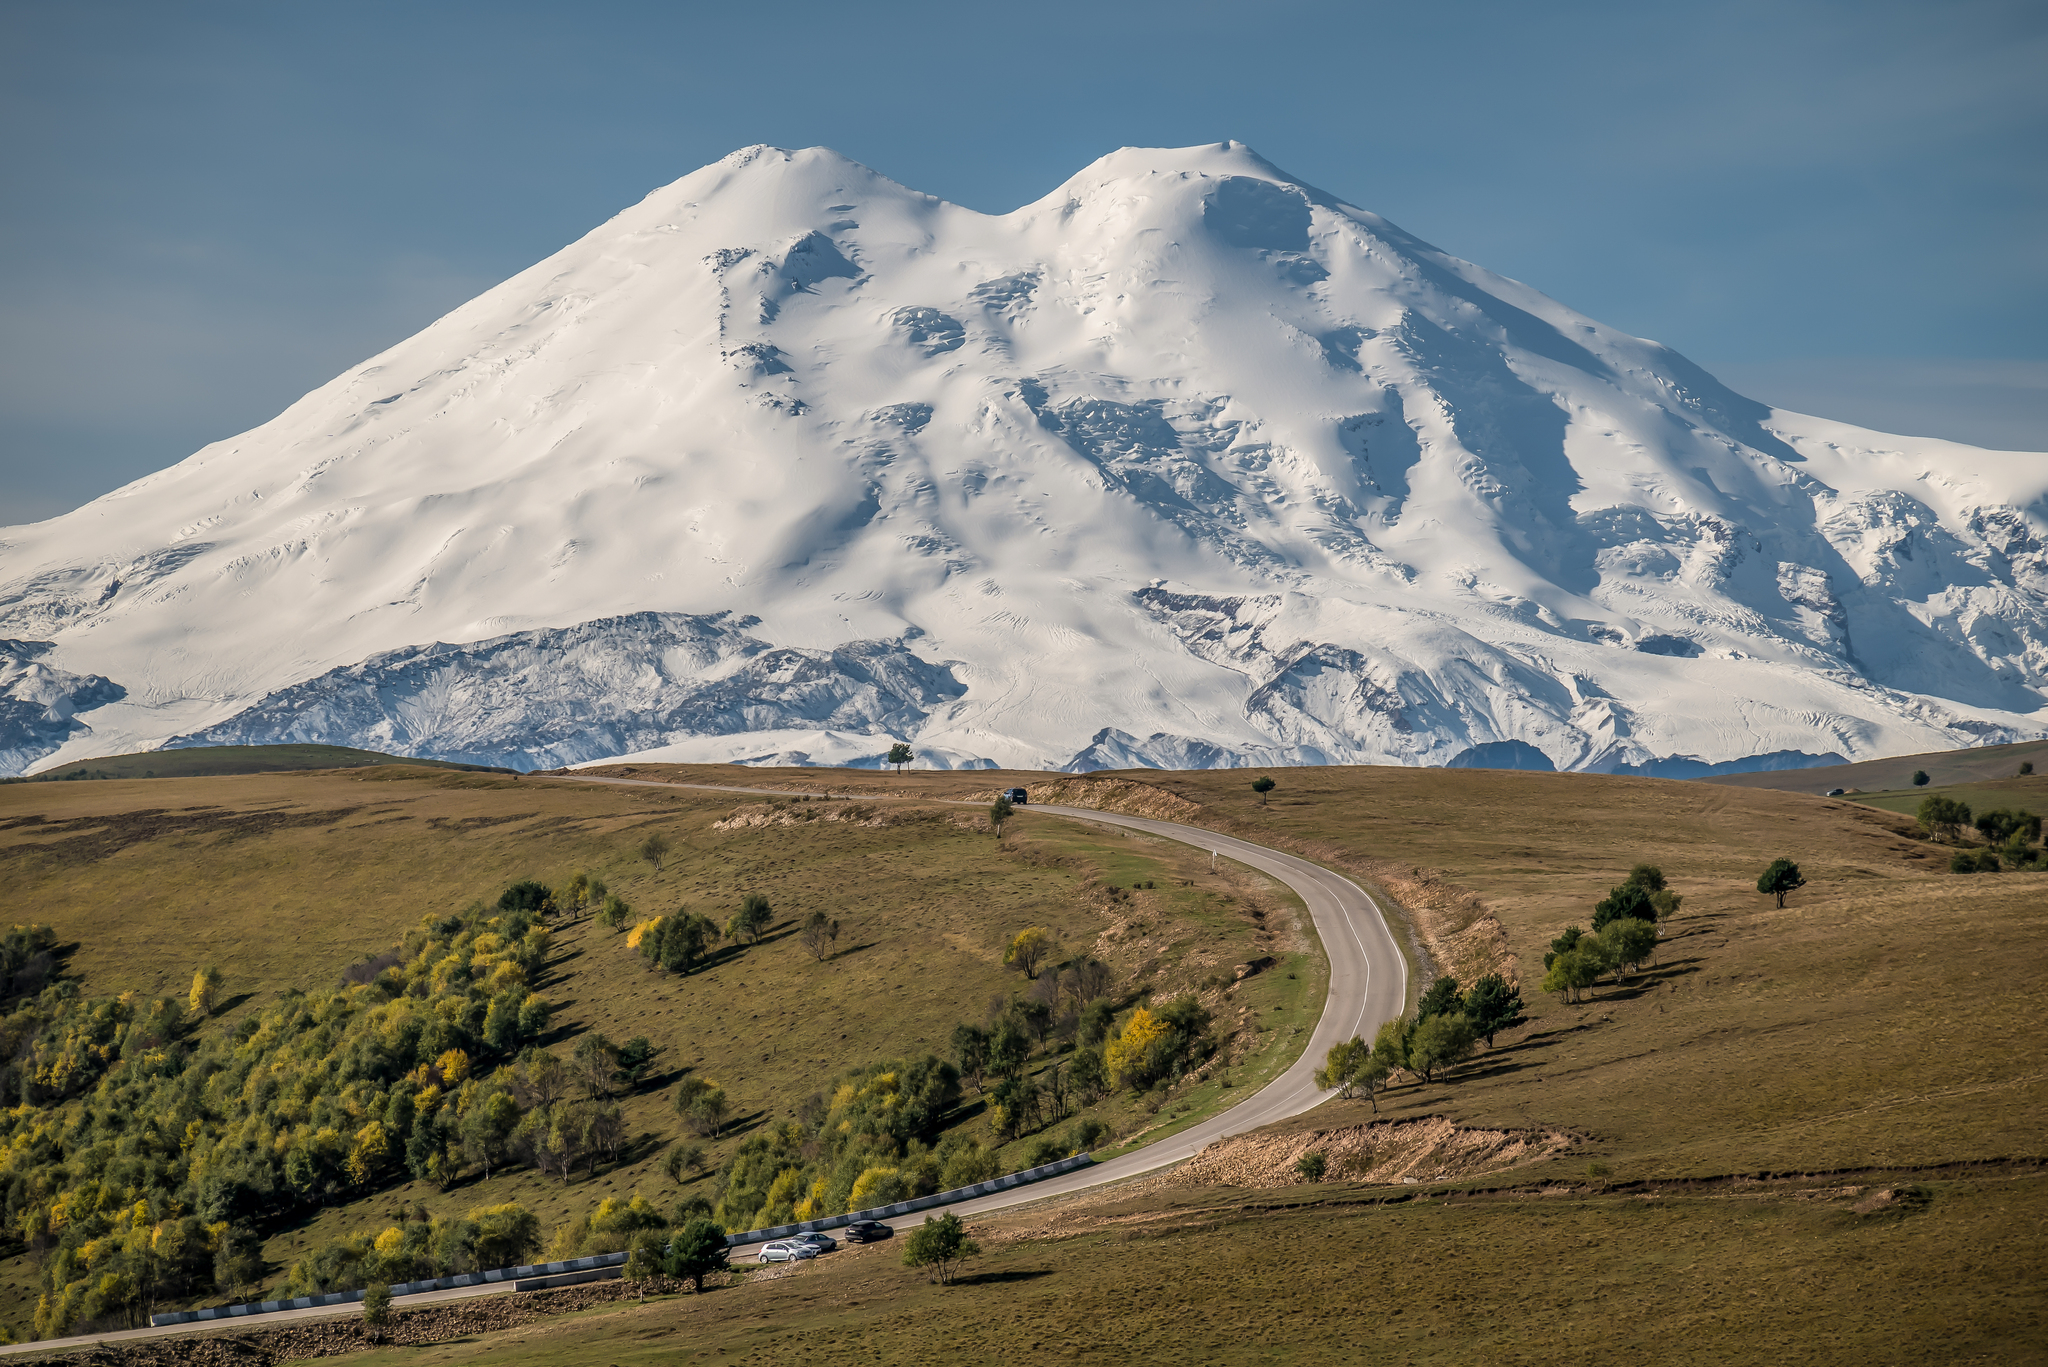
[213,761]
[1974,764]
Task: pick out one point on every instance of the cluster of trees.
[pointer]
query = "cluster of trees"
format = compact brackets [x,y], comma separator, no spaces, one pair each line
[686,940]
[870,1143]
[2011,837]
[1624,935]
[1447,1027]
[1067,1008]
[418,1247]
[147,1149]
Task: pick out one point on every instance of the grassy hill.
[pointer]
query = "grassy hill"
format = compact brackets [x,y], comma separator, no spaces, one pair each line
[1979,763]
[1808,1134]
[285,880]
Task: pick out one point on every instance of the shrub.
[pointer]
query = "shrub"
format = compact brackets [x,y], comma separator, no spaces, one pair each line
[940,1245]
[1312,1165]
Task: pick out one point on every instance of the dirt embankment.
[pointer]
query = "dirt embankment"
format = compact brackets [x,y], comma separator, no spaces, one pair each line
[1457,932]
[1393,1152]
[1107,795]
[803,813]
[348,1334]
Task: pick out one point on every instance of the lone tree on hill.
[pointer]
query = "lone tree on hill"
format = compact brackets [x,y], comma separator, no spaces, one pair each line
[899,755]
[1263,785]
[751,920]
[2026,767]
[820,933]
[940,1245]
[205,991]
[1030,949]
[1780,879]
[654,849]
[999,812]
[1920,778]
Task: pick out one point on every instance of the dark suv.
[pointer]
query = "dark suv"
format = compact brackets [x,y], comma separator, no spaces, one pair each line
[867,1231]
[1017,797]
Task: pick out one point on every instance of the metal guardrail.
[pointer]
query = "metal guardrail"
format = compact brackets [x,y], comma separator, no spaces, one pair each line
[540,1271]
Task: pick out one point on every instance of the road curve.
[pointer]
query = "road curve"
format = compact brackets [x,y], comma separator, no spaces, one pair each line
[1368,985]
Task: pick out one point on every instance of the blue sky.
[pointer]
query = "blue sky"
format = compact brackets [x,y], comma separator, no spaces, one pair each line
[212,208]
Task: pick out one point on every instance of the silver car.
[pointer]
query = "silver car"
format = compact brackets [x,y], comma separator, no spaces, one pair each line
[819,1240]
[785,1251]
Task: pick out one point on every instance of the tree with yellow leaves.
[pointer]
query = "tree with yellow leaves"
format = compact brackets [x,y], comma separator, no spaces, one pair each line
[206,984]
[1126,1056]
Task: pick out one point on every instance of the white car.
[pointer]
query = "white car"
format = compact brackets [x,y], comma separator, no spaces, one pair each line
[786,1250]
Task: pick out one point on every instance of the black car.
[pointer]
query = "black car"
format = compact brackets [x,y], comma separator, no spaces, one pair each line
[867,1231]
[1017,797]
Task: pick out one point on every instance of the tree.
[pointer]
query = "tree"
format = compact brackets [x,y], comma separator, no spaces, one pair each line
[1630,900]
[1920,778]
[1569,974]
[615,912]
[526,895]
[998,812]
[970,1052]
[899,755]
[1629,943]
[376,1309]
[1263,785]
[2026,767]
[1441,997]
[1342,1064]
[940,1245]
[1440,1044]
[654,849]
[1942,816]
[1129,1056]
[1648,877]
[751,920]
[1492,1005]
[636,1057]
[643,1261]
[684,938]
[487,1128]
[1032,947]
[1009,1046]
[1312,1165]
[1780,879]
[1390,1045]
[597,1066]
[819,934]
[697,1252]
[206,985]
[706,1114]
[2001,824]
[683,1163]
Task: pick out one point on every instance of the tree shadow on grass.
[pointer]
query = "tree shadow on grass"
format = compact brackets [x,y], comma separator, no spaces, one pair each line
[1003,1278]
[741,1124]
[837,955]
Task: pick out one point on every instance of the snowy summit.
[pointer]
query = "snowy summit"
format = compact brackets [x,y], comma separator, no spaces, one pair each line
[1185,464]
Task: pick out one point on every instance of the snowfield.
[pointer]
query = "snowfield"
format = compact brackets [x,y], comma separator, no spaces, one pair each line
[1186,463]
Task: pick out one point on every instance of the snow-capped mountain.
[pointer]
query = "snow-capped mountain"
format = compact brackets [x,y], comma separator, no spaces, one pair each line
[1187,463]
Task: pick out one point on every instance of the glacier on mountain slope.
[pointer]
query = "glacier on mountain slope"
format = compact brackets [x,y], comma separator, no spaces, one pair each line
[1184,464]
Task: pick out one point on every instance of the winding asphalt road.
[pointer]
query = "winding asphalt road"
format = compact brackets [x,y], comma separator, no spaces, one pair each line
[1368,985]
